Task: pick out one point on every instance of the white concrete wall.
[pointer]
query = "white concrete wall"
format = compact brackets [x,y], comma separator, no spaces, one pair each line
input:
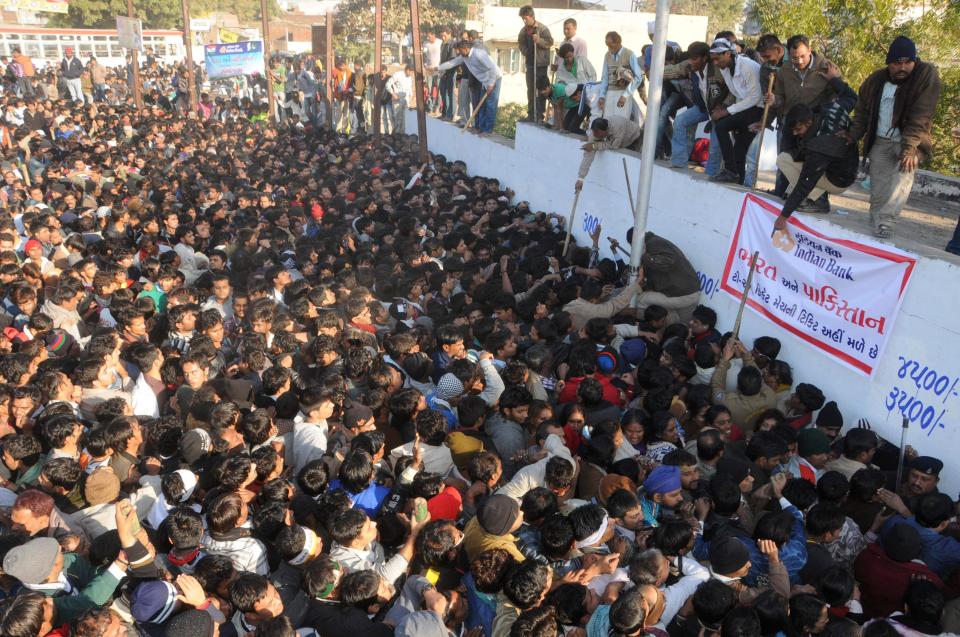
[699,217]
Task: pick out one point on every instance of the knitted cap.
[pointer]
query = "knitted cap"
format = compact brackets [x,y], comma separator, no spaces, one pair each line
[32,562]
[153,601]
[498,514]
[102,486]
[448,387]
[811,442]
[194,445]
[902,543]
[830,416]
[190,623]
[902,48]
[728,555]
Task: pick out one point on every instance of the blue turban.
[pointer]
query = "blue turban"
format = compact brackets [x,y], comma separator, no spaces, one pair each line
[663,479]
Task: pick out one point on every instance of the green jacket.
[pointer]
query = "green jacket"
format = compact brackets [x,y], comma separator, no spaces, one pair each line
[30,477]
[93,589]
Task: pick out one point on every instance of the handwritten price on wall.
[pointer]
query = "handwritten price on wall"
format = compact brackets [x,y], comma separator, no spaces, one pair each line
[931,386]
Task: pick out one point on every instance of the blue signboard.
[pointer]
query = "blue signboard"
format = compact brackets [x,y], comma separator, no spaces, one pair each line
[237,58]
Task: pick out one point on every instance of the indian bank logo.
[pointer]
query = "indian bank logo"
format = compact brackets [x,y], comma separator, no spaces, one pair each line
[784,241]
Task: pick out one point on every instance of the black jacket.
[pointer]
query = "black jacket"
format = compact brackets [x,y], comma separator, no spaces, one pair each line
[72,68]
[823,152]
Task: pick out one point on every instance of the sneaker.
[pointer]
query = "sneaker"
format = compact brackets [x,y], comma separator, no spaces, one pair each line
[883,231]
[726,177]
[810,206]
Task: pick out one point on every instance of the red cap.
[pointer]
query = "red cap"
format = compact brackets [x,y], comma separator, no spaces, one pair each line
[376,170]
[31,244]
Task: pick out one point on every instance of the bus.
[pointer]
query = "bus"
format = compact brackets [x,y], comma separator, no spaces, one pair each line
[45,46]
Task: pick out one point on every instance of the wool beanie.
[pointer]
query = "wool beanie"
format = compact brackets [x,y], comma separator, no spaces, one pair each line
[102,487]
[902,543]
[811,442]
[32,562]
[902,48]
[728,555]
[498,514]
[736,469]
[190,623]
[830,416]
[449,387]
[195,444]
[153,601]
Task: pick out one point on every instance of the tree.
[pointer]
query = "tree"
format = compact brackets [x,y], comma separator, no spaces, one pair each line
[856,34]
[721,14]
[354,25]
[156,14]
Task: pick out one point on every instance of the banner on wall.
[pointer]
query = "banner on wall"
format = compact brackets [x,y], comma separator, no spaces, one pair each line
[839,296]
[48,6]
[231,60]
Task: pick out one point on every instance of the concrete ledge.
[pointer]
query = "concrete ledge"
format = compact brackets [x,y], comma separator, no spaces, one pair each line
[936,186]
[699,216]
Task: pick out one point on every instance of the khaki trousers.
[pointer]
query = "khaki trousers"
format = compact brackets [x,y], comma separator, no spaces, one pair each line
[791,170]
[889,188]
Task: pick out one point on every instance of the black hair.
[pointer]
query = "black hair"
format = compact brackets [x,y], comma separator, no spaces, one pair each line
[805,610]
[538,504]
[526,584]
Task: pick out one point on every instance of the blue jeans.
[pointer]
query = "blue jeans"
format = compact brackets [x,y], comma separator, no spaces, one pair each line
[667,109]
[446,94]
[487,116]
[954,245]
[715,157]
[684,127]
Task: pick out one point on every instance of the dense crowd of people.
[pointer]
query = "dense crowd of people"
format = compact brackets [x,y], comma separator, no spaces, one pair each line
[267,379]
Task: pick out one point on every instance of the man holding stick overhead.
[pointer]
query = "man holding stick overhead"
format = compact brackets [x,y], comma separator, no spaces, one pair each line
[478,62]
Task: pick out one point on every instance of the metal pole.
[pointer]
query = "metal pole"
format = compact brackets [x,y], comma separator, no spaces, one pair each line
[418,80]
[328,75]
[264,18]
[135,62]
[377,68]
[191,80]
[649,138]
[903,450]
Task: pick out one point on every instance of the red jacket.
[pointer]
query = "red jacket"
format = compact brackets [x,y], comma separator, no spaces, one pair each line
[610,393]
[883,581]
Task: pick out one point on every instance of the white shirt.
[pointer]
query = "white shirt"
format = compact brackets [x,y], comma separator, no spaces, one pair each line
[372,559]
[144,400]
[309,443]
[432,51]
[676,595]
[397,84]
[535,475]
[885,127]
[479,63]
[436,459]
[744,84]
